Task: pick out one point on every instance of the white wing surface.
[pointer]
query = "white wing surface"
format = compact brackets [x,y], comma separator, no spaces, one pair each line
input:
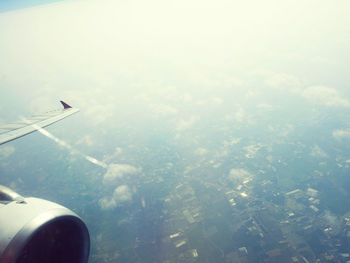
[12,131]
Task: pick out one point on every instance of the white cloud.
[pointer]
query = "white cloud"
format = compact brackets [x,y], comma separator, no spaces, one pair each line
[118,150]
[6,151]
[118,171]
[109,158]
[107,203]
[163,109]
[41,103]
[266,107]
[118,174]
[231,141]
[341,134]
[240,115]
[202,102]
[157,93]
[284,81]
[201,151]
[217,100]
[252,150]
[120,195]
[99,113]
[187,97]
[325,96]
[282,131]
[185,124]
[86,140]
[316,151]
[211,101]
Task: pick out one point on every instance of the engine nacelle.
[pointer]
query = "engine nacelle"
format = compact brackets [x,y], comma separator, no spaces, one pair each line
[36,230]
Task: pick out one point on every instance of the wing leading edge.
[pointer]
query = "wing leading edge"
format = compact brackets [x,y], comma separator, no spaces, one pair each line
[12,131]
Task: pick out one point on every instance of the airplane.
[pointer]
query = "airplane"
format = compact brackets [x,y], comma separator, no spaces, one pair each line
[34,230]
[23,127]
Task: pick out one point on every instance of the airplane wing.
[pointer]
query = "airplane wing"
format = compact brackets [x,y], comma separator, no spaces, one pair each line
[12,131]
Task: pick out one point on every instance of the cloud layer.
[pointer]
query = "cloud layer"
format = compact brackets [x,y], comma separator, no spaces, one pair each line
[118,176]
[325,96]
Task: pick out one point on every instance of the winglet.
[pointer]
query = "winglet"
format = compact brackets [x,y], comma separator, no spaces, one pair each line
[65,105]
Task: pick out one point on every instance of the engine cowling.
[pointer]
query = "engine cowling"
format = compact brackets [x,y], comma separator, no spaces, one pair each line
[38,231]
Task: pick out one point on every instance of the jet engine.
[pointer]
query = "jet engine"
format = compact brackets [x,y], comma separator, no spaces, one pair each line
[34,230]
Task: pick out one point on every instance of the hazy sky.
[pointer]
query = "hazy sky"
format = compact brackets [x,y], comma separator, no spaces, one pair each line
[101,56]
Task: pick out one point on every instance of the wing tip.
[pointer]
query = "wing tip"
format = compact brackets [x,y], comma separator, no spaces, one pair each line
[65,105]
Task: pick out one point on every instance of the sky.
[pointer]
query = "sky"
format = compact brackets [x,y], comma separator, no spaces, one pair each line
[121,61]
[108,47]
[129,63]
